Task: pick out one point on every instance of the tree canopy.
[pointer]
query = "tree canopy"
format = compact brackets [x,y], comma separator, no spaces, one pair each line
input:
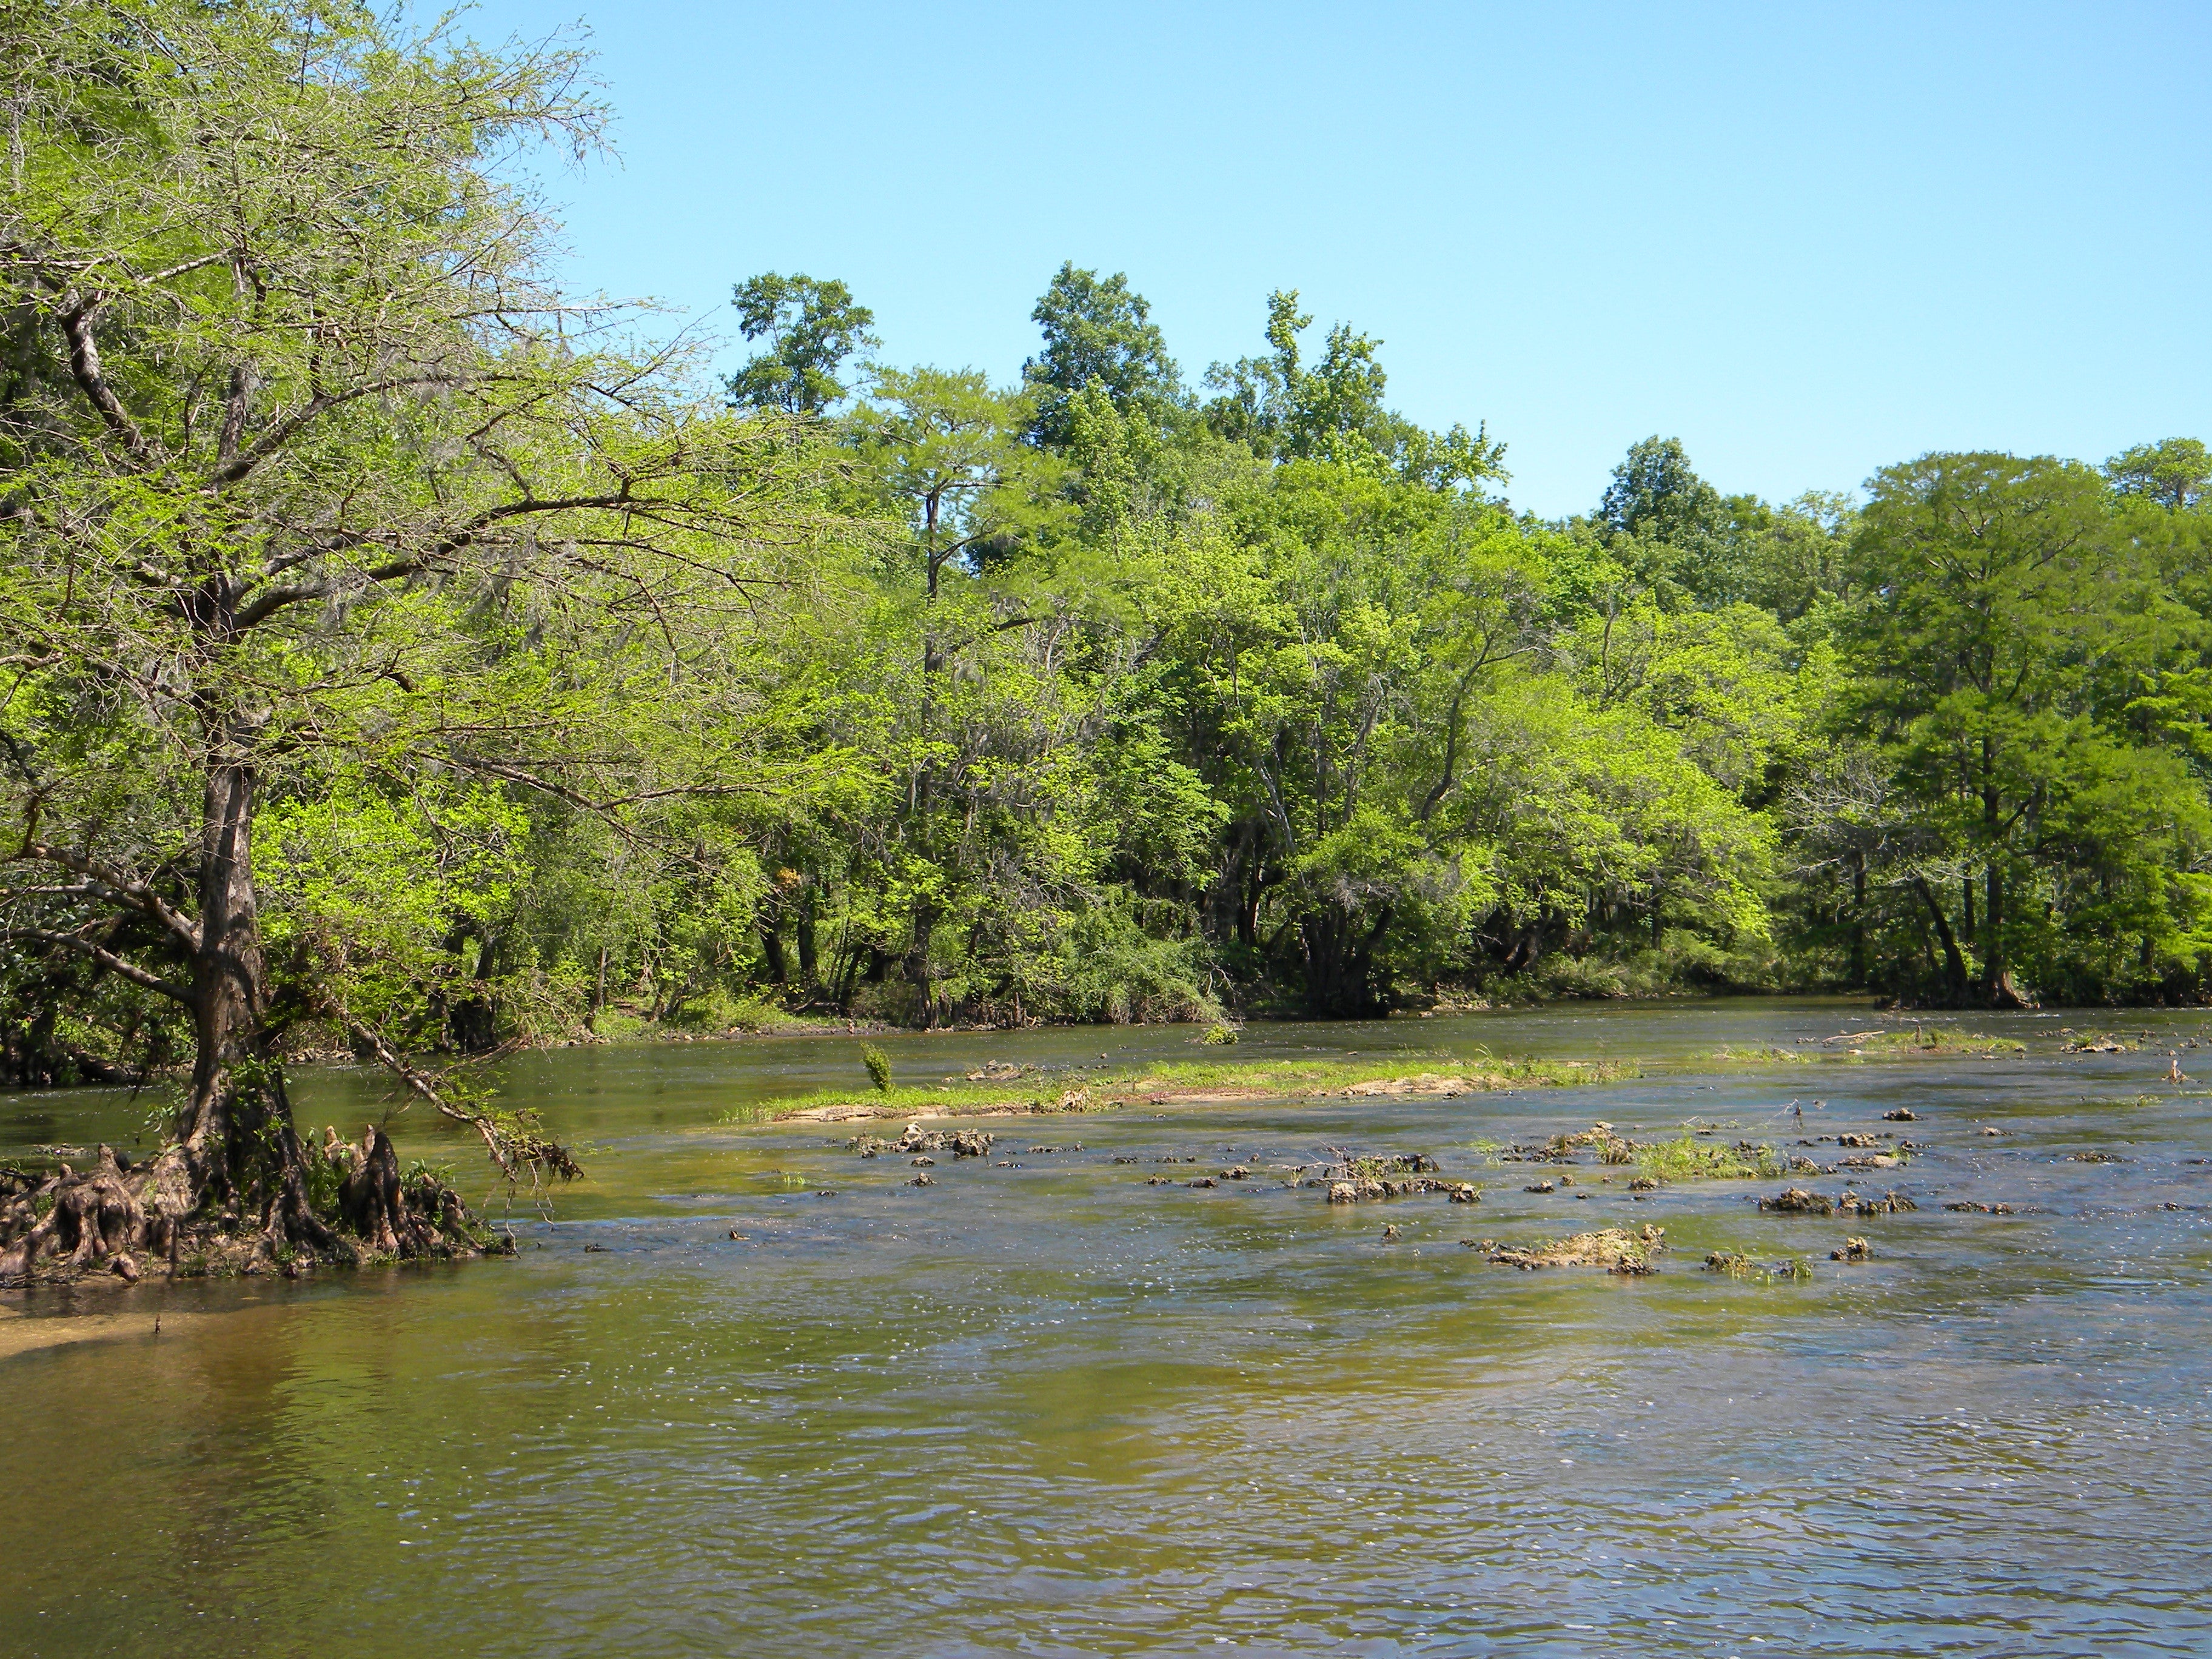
[407,657]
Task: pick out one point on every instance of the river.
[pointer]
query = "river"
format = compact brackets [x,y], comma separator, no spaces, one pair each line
[1053,1410]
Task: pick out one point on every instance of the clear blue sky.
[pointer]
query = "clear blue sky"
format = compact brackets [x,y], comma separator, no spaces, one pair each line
[1807,240]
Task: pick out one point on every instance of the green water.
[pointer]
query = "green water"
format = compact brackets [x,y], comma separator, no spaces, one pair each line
[1053,1410]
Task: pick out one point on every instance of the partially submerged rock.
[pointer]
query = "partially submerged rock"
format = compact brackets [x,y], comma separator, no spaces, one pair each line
[1799,1200]
[1614,1249]
[1428,1082]
[1851,1203]
[1736,1265]
[1854,1249]
[960,1143]
[1976,1206]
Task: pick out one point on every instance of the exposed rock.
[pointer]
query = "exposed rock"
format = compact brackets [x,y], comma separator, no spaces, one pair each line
[1857,1140]
[2094,1158]
[1239,1173]
[960,1143]
[1466,1192]
[1797,1200]
[1391,1232]
[1614,1249]
[1854,1249]
[1971,1204]
[1643,1184]
[923,1179]
[1736,1265]
[1879,1161]
[923,1161]
[1889,1204]
[1902,1114]
[1203,1181]
[1541,1187]
[1427,1083]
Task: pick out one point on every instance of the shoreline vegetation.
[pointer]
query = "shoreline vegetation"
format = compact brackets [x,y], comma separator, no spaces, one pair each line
[1003,1089]
[58,1226]
[411,659]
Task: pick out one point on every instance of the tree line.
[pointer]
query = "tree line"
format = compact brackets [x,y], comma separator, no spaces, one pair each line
[408,657]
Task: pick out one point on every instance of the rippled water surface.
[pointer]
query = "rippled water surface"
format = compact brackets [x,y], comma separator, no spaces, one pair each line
[1053,1410]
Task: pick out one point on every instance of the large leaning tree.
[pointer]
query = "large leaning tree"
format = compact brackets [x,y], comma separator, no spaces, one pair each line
[304,463]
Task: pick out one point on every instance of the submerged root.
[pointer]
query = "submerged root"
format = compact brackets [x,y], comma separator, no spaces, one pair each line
[341,1204]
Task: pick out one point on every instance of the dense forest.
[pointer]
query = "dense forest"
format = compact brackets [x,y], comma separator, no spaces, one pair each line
[404,656]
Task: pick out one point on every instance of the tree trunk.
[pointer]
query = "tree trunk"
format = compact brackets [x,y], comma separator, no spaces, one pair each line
[1339,960]
[1858,919]
[237,1183]
[916,964]
[810,972]
[229,983]
[1954,964]
[771,938]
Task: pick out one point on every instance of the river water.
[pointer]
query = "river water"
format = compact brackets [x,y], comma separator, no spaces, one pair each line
[1053,1410]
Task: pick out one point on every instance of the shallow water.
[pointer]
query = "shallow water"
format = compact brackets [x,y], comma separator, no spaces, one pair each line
[1051,1410]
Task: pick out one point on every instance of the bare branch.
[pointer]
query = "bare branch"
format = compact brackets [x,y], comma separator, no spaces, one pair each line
[84,364]
[105,958]
[127,891]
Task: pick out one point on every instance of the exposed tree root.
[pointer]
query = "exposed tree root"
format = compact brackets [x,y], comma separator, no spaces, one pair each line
[340,1204]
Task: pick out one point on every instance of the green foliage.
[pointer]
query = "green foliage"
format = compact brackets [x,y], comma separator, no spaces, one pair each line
[570,699]
[879,1065]
[1691,1157]
[1097,335]
[810,328]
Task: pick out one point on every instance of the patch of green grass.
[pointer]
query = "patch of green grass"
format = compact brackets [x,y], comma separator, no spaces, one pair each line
[1948,1039]
[1017,1094]
[1310,1077]
[620,1026]
[1688,1157]
[1736,1265]
[1731,1055]
[1074,1091]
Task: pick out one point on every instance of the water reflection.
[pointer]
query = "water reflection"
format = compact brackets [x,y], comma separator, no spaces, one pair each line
[1052,1410]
